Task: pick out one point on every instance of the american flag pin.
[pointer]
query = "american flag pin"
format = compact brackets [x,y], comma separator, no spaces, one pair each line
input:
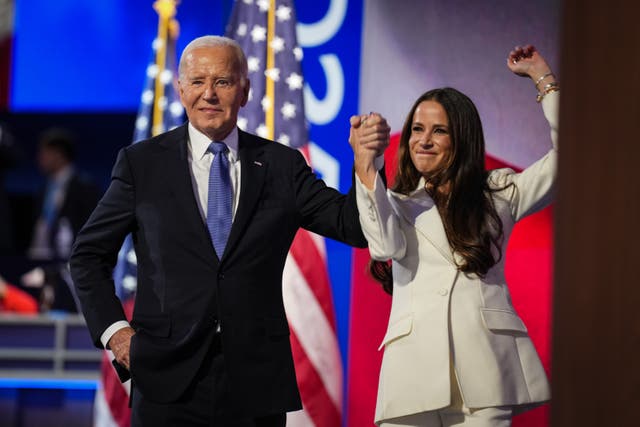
[257,163]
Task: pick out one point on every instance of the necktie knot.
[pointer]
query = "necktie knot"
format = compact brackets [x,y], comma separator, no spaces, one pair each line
[217,147]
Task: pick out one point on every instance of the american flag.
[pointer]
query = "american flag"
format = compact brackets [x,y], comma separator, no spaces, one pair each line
[160,110]
[266,30]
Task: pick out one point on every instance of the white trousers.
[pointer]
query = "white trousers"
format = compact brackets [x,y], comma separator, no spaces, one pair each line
[456,414]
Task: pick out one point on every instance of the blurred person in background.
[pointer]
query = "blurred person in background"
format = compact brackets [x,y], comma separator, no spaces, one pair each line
[64,205]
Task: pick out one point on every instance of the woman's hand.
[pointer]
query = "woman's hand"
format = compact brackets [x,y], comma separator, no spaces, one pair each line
[525,61]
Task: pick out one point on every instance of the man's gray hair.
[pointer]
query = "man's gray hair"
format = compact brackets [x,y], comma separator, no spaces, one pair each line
[216,41]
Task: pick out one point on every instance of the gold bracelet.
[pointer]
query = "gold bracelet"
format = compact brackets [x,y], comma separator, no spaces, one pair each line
[542,77]
[551,87]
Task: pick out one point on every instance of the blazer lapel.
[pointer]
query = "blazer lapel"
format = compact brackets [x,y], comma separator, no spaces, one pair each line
[419,209]
[253,170]
[178,177]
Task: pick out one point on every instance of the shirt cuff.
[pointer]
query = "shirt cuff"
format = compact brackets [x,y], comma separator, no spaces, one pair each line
[111,330]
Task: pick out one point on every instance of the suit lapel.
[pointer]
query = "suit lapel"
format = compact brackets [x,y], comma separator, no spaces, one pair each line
[420,210]
[253,172]
[178,177]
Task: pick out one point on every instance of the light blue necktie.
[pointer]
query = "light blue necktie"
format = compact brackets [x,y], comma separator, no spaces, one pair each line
[49,210]
[219,215]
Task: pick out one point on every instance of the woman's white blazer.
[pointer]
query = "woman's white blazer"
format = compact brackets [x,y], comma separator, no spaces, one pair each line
[439,314]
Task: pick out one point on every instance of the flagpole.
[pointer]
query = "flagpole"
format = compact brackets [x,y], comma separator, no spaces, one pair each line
[166,10]
[271,62]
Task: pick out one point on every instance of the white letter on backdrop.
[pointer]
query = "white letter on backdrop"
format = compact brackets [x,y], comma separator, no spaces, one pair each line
[323,30]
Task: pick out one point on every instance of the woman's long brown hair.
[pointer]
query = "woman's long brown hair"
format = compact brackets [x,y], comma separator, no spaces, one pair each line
[471,223]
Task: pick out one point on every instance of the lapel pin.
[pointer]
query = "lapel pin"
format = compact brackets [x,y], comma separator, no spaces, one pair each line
[257,163]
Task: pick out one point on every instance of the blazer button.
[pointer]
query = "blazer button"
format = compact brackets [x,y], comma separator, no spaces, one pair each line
[220,276]
[443,291]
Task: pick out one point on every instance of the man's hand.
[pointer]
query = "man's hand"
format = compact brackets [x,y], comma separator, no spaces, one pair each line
[120,344]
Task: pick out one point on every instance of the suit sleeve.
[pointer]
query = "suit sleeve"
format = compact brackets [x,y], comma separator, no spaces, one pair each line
[96,249]
[324,210]
[533,188]
[379,222]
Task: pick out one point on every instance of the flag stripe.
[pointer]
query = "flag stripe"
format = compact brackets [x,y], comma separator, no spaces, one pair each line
[306,254]
[317,403]
[315,333]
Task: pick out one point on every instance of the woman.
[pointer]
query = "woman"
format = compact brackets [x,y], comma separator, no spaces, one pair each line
[455,351]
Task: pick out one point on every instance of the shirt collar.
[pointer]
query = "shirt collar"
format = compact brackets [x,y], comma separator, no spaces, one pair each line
[200,143]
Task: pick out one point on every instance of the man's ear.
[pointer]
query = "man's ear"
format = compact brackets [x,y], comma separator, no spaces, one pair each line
[245,92]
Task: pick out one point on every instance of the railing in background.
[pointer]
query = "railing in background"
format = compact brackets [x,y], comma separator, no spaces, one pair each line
[49,371]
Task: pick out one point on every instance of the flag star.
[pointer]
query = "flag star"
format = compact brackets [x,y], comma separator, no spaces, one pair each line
[253,63]
[263,5]
[242,30]
[166,76]
[176,109]
[284,139]
[242,122]
[288,110]
[266,103]
[152,71]
[294,81]
[250,94]
[273,74]
[297,52]
[258,33]
[129,282]
[142,123]
[163,102]
[262,131]
[157,43]
[283,13]
[147,97]
[131,257]
[277,44]
[248,1]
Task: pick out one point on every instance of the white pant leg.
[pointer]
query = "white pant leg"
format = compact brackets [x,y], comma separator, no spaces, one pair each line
[423,419]
[456,415]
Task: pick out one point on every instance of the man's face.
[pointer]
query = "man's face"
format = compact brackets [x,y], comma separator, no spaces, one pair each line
[212,91]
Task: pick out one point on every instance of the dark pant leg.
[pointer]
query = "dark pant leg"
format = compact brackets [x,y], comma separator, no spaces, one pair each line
[205,404]
[196,408]
[278,420]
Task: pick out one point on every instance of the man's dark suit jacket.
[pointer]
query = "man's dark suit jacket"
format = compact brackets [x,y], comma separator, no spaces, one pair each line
[184,289]
[81,196]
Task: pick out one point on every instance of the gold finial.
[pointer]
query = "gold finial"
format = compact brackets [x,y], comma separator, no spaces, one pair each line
[165,8]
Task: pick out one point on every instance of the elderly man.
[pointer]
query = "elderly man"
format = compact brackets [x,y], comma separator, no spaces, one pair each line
[213,211]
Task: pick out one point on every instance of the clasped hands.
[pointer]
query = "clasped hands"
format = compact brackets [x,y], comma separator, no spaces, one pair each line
[368,137]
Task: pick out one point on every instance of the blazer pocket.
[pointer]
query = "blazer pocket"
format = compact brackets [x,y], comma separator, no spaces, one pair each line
[502,320]
[156,326]
[399,328]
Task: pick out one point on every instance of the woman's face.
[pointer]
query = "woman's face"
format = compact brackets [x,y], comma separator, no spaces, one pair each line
[430,140]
